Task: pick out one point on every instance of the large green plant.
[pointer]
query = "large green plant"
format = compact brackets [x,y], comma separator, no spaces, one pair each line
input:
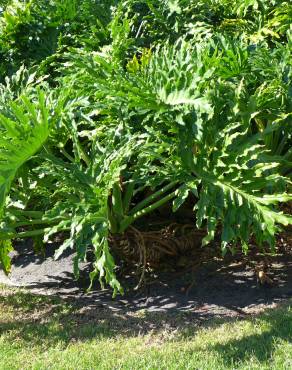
[144,108]
[165,124]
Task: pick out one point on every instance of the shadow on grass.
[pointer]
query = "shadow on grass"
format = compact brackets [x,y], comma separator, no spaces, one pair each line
[276,326]
[42,320]
[35,320]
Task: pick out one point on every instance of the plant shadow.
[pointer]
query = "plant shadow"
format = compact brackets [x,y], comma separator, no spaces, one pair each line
[38,319]
[48,320]
[278,328]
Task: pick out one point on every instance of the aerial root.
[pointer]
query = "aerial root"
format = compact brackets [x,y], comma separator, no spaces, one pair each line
[152,247]
[143,254]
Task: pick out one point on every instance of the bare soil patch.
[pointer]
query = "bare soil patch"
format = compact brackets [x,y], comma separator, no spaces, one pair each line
[221,287]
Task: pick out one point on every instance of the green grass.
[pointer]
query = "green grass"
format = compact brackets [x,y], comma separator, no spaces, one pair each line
[46,333]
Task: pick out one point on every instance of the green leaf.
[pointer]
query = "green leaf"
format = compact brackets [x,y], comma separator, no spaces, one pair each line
[5,260]
[21,138]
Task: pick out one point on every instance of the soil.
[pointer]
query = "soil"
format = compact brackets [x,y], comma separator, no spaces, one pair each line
[222,287]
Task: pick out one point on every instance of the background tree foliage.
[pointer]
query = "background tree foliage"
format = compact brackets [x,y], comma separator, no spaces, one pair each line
[111,109]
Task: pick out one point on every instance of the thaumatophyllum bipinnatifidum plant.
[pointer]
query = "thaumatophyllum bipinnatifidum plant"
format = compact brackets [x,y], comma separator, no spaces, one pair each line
[180,97]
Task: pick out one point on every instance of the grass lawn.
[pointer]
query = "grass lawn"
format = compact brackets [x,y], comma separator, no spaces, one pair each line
[46,333]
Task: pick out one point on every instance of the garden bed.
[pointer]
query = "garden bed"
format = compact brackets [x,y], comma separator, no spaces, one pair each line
[227,286]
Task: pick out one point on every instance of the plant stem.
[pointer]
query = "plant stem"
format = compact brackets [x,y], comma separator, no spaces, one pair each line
[130,219]
[117,202]
[25,234]
[28,234]
[38,222]
[128,196]
[152,197]
[66,155]
[24,212]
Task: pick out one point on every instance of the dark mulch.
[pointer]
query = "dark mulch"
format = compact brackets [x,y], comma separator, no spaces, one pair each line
[220,287]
